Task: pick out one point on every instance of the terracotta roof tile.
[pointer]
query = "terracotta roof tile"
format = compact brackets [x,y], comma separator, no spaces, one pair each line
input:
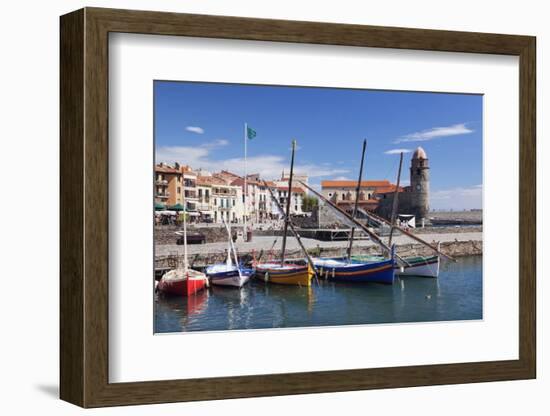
[352,184]
[166,169]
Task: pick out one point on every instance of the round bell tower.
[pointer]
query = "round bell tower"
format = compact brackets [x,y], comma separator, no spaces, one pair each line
[420,184]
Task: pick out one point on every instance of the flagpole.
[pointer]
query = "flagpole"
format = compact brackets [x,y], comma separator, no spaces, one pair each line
[245,234]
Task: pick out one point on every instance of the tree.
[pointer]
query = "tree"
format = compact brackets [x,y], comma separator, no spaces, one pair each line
[309,203]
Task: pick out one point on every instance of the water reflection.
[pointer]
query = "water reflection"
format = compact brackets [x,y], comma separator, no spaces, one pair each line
[456,295]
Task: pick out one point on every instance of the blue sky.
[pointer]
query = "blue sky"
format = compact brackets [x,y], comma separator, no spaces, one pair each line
[201,124]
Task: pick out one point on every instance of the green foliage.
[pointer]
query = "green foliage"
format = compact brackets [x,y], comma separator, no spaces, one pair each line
[309,203]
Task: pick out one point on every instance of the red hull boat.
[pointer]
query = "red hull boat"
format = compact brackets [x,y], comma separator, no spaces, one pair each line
[181,282]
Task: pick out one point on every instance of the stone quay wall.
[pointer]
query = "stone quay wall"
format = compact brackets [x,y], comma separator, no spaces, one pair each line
[451,248]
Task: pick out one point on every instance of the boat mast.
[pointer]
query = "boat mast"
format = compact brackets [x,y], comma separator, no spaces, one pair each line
[231,248]
[185,264]
[395,199]
[357,189]
[289,197]
[228,229]
[280,208]
[245,234]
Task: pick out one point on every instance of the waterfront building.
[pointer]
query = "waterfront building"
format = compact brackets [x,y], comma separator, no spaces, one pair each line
[296,197]
[204,203]
[189,189]
[219,199]
[413,199]
[172,183]
[297,178]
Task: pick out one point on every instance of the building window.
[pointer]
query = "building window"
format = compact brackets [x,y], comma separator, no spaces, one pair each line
[179,190]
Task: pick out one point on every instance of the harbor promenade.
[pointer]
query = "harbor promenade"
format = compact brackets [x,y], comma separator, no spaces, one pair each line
[266,242]
[455,244]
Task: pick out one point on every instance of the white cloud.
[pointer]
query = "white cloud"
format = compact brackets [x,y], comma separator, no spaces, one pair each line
[457,198]
[195,129]
[397,151]
[215,143]
[434,133]
[341,178]
[269,166]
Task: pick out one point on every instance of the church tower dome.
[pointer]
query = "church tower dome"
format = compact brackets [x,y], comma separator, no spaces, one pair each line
[419,153]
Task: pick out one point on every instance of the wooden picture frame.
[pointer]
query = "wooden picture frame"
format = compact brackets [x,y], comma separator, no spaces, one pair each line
[84,207]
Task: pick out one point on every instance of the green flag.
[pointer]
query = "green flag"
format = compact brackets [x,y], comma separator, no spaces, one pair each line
[250,133]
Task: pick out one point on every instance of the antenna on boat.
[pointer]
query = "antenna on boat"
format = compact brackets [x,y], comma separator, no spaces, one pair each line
[395,200]
[289,197]
[357,189]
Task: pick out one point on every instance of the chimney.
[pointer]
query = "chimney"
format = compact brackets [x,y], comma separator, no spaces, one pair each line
[177,165]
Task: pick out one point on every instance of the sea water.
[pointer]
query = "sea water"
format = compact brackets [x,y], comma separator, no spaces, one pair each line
[456,295]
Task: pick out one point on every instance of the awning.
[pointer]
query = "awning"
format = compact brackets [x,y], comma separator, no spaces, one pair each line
[193,214]
[165,212]
[177,207]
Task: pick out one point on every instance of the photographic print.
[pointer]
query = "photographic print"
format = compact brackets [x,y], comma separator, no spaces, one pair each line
[292,207]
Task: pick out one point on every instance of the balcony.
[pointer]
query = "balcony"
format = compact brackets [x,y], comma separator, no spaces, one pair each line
[161,182]
[163,195]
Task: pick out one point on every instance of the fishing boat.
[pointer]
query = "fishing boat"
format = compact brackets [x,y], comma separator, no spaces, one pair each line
[229,273]
[283,272]
[182,281]
[340,269]
[420,266]
[345,269]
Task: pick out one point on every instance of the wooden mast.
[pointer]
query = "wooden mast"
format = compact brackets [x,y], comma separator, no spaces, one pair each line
[185,260]
[289,197]
[357,189]
[277,203]
[395,199]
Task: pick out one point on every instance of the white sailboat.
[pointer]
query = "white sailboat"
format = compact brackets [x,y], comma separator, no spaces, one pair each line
[229,273]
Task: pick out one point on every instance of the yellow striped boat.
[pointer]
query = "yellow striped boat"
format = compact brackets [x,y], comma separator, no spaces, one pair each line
[287,274]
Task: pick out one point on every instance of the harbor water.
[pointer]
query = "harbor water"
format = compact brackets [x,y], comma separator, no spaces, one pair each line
[455,295]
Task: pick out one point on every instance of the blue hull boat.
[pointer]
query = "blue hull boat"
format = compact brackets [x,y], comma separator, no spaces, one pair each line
[228,275]
[340,269]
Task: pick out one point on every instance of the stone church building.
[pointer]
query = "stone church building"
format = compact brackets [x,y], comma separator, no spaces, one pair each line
[377,196]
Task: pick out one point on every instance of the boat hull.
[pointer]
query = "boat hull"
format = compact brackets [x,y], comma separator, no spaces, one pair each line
[286,275]
[355,272]
[228,277]
[420,266]
[180,283]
